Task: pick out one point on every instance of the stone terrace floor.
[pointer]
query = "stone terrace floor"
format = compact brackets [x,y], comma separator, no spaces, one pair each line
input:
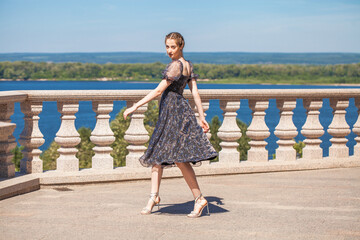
[317,204]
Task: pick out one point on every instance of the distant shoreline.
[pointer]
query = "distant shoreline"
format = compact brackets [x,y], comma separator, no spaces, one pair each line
[208,81]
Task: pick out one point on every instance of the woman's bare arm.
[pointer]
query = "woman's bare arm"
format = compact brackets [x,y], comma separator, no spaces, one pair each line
[150,96]
[197,99]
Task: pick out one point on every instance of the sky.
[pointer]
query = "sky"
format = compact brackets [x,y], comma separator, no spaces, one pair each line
[207,25]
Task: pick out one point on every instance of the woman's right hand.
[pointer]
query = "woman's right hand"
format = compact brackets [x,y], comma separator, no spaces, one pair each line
[204,125]
[129,111]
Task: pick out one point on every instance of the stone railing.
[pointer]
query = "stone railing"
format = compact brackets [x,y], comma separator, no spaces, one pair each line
[67,170]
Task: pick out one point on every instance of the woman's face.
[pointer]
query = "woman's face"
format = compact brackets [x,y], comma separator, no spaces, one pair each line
[172,49]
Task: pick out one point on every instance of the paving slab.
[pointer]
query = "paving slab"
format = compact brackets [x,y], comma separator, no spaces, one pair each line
[317,204]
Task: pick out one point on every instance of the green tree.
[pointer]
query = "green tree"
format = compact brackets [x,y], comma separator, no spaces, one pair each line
[85,148]
[243,141]
[17,157]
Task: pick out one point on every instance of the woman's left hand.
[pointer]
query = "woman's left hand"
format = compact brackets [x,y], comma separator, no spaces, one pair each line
[129,111]
[204,125]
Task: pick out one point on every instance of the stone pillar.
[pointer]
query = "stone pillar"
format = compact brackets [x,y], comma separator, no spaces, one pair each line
[312,130]
[286,131]
[31,138]
[67,137]
[356,130]
[136,135]
[102,136]
[339,129]
[7,167]
[258,131]
[229,133]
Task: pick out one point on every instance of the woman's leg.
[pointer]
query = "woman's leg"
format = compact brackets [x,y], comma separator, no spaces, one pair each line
[156,174]
[190,178]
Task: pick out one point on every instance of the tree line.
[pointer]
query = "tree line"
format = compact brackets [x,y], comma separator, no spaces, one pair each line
[26,70]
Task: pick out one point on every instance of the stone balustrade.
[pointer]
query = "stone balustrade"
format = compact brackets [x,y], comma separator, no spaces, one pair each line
[136,135]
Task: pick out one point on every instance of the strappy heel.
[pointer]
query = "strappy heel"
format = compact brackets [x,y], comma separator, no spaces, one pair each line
[153,197]
[195,214]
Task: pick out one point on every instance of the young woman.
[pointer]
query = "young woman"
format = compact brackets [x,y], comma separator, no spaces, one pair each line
[177,138]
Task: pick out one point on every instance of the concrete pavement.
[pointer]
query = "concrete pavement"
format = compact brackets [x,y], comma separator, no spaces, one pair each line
[317,204]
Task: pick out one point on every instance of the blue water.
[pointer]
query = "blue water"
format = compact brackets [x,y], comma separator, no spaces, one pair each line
[49,122]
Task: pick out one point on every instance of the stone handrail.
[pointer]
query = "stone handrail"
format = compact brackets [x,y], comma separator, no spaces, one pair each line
[136,135]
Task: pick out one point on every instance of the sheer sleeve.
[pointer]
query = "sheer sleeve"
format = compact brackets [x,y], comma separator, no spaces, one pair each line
[192,75]
[173,71]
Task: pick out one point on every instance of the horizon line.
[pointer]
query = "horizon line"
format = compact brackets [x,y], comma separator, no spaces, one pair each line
[191,52]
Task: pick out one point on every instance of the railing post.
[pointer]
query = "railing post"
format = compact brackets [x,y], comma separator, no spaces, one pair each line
[102,136]
[136,135]
[31,138]
[67,137]
[286,131]
[258,131]
[339,129]
[356,130]
[7,167]
[8,142]
[312,130]
[229,133]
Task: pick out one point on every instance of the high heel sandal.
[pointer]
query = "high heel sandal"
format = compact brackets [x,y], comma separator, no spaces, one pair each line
[153,197]
[194,214]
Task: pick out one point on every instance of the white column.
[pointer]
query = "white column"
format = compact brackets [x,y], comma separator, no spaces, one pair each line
[286,131]
[31,138]
[102,136]
[258,131]
[312,130]
[67,137]
[136,135]
[339,129]
[229,133]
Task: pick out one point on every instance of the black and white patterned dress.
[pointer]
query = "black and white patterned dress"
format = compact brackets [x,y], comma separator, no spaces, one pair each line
[177,136]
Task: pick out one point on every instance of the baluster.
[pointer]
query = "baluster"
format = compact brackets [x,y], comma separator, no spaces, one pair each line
[312,130]
[67,137]
[229,133]
[7,167]
[136,135]
[339,129]
[286,131]
[356,130]
[31,138]
[258,131]
[7,143]
[102,136]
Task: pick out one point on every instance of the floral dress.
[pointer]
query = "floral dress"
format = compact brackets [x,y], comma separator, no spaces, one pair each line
[177,136]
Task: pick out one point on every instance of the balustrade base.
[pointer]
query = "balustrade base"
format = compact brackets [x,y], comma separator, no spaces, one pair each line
[229,157]
[50,179]
[34,166]
[286,154]
[7,170]
[255,155]
[338,151]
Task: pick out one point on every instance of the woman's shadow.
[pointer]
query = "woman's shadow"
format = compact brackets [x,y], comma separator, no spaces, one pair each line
[215,204]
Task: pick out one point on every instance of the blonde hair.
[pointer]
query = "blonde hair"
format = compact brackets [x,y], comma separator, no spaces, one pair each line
[179,39]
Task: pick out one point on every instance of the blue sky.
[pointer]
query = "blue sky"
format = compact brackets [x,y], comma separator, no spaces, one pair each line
[208,26]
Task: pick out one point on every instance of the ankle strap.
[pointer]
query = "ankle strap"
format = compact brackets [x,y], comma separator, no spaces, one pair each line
[200,195]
